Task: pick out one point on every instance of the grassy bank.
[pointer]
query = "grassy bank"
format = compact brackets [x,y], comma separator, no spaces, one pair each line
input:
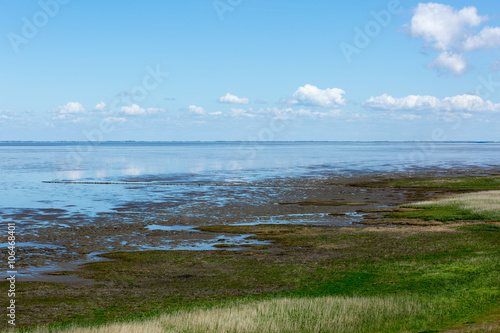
[471,206]
[453,184]
[436,276]
[309,279]
[480,202]
[322,314]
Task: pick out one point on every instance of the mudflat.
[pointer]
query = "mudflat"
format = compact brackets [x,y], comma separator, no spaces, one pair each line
[358,201]
[282,238]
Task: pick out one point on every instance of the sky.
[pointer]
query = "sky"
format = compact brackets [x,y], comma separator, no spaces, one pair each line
[260,70]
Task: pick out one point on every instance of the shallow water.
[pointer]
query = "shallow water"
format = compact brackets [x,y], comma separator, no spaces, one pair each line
[24,168]
[152,196]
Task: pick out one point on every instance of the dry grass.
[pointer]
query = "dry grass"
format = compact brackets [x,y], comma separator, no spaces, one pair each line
[478,202]
[324,314]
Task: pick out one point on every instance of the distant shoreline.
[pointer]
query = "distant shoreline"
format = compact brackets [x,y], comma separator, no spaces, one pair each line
[128,142]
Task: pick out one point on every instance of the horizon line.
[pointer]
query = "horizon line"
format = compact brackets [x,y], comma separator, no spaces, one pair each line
[241,141]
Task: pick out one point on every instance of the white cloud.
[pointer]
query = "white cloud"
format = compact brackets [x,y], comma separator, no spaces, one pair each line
[136,110]
[7,114]
[452,62]
[310,95]
[470,103]
[488,38]
[442,25]
[68,110]
[411,102]
[115,120]
[198,110]
[101,106]
[290,113]
[238,112]
[228,98]
[451,32]
[133,110]
[462,103]
[409,116]
[71,108]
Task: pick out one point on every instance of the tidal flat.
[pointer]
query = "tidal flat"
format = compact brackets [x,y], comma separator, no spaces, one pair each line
[289,239]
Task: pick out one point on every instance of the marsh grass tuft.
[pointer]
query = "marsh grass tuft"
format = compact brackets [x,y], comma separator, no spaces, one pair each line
[483,205]
[459,184]
[320,314]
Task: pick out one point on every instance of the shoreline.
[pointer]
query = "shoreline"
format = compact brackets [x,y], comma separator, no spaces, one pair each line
[158,226]
[431,261]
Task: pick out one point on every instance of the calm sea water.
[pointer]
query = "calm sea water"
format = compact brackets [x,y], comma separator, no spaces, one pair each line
[24,168]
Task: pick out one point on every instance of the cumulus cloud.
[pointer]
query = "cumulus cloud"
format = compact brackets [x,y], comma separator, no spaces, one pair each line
[488,38]
[470,103]
[238,112]
[452,62]
[101,106]
[71,108]
[133,110]
[451,32]
[460,103]
[310,95]
[198,110]
[136,110]
[68,110]
[232,99]
[411,102]
[442,25]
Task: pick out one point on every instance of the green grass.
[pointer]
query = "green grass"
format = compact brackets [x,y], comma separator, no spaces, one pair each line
[481,227]
[439,213]
[453,275]
[447,276]
[484,205]
[460,184]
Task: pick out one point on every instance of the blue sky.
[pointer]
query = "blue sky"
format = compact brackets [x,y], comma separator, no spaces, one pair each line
[249,70]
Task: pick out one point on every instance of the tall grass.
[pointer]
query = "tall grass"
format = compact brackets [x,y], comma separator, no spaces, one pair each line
[322,314]
[484,204]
